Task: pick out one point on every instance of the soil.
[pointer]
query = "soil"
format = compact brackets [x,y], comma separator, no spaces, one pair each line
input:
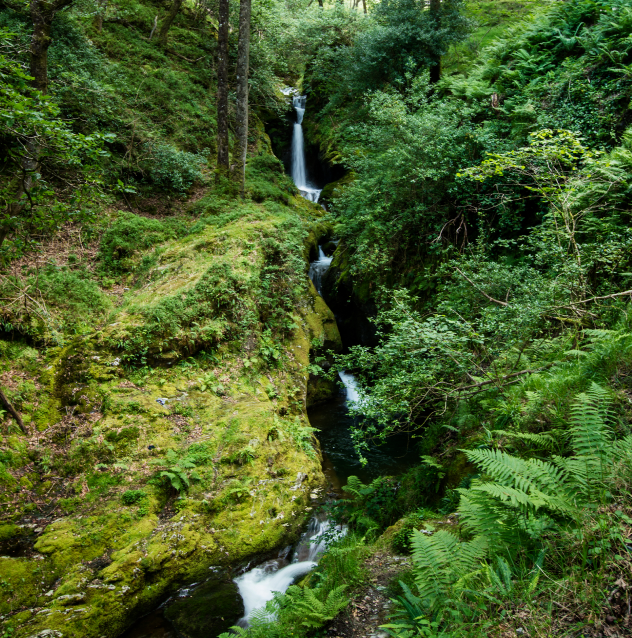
[370,607]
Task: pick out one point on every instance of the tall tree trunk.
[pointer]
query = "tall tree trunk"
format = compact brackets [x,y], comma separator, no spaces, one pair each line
[222,89]
[320,4]
[168,21]
[435,68]
[42,14]
[364,6]
[243,58]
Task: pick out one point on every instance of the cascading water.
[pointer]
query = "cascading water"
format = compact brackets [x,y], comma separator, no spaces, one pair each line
[318,268]
[351,388]
[298,170]
[257,586]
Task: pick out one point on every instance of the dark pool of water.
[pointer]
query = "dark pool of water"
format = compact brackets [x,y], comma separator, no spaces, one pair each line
[340,460]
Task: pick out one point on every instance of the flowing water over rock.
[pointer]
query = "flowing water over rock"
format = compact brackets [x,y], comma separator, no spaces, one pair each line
[298,168]
[257,586]
[318,268]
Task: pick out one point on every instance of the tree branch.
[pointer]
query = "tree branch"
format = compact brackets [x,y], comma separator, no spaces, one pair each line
[12,411]
[500,303]
[507,376]
[616,294]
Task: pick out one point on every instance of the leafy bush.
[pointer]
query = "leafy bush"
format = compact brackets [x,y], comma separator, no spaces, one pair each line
[130,234]
[173,169]
[131,497]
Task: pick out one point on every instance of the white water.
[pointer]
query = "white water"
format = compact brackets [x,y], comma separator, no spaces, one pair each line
[351,387]
[318,268]
[257,586]
[298,170]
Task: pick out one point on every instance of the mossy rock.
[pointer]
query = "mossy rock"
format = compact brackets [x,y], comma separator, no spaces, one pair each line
[211,609]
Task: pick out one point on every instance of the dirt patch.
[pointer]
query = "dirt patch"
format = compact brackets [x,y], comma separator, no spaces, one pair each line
[370,608]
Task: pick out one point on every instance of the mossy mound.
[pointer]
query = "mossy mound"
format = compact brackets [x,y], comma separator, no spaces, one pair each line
[173,437]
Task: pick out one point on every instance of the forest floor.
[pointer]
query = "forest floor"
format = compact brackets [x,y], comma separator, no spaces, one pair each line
[369,608]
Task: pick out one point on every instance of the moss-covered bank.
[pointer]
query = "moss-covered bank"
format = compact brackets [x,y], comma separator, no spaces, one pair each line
[170,440]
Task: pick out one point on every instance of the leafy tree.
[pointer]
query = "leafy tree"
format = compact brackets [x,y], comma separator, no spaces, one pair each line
[37,143]
[408,35]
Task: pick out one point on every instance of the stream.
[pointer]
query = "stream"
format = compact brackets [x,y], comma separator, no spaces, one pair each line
[333,424]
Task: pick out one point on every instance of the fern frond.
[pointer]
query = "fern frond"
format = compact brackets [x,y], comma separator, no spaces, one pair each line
[441,560]
[591,439]
[547,441]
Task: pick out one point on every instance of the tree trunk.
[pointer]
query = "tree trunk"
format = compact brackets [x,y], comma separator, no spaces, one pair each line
[435,68]
[168,21]
[42,14]
[243,57]
[320,4]
[222,89]
[364,6]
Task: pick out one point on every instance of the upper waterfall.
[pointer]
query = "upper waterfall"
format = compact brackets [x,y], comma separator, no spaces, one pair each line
[298,170]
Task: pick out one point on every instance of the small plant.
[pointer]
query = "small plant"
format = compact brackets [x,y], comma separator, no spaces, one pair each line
[210,382]
[268,349]
[179,473]
[131,497]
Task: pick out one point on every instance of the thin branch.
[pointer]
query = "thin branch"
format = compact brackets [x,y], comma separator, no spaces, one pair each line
[507,376]
[616,294]
[500,303]
[182,57]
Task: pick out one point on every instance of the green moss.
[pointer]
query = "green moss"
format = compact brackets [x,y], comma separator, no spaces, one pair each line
[8,531]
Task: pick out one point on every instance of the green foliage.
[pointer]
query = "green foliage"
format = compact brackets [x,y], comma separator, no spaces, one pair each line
[179,472]
[405,36]
[173,169]
[61,300]
[41,152]
[308,607]
[130,234]
[131,497]
[515,510]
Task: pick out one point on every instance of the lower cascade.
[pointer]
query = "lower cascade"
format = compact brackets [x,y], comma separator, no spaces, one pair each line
[351,387]
[258,585]
[298,168]
[318,268]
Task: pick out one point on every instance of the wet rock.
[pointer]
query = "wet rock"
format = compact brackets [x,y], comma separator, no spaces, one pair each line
[212,608]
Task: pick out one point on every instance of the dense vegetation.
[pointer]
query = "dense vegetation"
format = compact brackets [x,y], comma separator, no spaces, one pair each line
[484,227]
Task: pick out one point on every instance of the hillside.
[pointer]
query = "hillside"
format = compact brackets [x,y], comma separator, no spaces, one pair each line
[180,405]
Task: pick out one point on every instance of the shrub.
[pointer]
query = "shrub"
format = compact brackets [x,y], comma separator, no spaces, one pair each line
[131,497]
[130,234]
[173,169]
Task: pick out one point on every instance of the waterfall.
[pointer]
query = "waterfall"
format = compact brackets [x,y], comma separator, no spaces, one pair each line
[257,586]
[318,268]
[351,387]
[298,170]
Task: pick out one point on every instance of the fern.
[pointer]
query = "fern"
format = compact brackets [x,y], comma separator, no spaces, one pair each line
[441,561]
[546,441]
[307,607]
[591,439]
